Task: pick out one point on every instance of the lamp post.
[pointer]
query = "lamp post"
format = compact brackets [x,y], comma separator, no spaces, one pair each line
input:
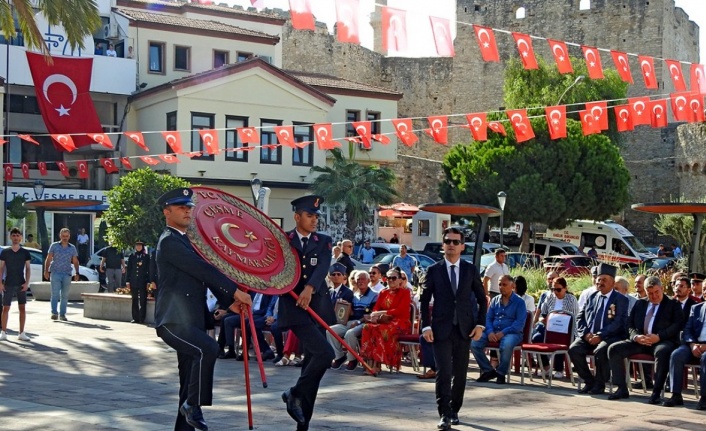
[255,186]
[576,81]
[502,196]
[41,222]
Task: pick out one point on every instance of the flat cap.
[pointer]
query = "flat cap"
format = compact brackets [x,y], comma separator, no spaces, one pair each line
[180,196]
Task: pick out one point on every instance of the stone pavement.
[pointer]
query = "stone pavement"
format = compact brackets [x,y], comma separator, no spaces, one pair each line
[88,374]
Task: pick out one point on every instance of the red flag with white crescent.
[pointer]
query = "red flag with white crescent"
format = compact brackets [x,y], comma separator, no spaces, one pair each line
[2,141]
[647,66]
[138,139]
[526,51]
[383,139]
[65,141]
[698,78]
[82,166]
[405,131]
[696,103]
[658,113]
[149,160]
[63,168]
[394,30]
[520,124]
[640,111]
[42,166]
[599,110]
[248,135]
[674,68]
[28,138]
[438,129]
[192,154]
[593,62]
[324,134]
[497,127]
[486,42]
[8,171]
[622,65]
[556,121]
[478,124]
[25,170]
[125,161]
[589,125]
[364,130]
[680,106]
[561,56]
[173,139]
[285,136]
[623,118]
[209,137]
[441,28]
[302,18]
[347,21]
[109,166]
[169,158]
[102,139]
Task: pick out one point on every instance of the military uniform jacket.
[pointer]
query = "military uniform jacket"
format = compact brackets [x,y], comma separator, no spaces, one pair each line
[183,276]
[315,262]
[138,268]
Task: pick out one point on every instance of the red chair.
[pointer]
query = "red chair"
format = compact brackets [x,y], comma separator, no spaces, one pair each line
[411,341]
[558,336]
[526,338]
[639,360]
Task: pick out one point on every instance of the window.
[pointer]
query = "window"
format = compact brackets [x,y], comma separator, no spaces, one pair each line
[585,5]
[520,13]
[22,104]
[200,122]
[303,156]
[18,151]
[242,56]
[374,118]
[156,57]
[171,125]
[350,117]
[182,58]
[220,58]
[233,140]
[269,137]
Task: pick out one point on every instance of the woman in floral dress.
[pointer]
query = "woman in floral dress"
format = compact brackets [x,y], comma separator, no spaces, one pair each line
[390,318]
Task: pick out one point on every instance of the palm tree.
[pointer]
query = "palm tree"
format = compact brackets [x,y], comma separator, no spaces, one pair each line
[356,187]
[79,18]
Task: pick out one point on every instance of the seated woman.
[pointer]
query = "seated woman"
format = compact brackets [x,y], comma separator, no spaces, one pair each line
[389,319]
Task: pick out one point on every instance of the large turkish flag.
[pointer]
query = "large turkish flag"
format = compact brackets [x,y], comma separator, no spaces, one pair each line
[63,94]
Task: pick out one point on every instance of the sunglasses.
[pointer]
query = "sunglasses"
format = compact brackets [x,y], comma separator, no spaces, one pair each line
[452,241]
[557,290]
[336,274]
[392,278]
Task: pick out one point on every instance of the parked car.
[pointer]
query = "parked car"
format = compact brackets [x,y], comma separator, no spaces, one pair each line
[569,265]
[552,247]
[36,265]
[658,265]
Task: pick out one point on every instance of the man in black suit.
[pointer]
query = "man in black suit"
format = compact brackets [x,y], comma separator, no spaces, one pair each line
[692,351]
[180,309]
[345,257]
[601,322]
[458,315]
[682,298]
[314,252]
[654,327]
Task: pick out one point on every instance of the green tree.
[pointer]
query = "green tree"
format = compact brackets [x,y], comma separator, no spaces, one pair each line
[357,187]
[79,17]
[680,227]
[133,212]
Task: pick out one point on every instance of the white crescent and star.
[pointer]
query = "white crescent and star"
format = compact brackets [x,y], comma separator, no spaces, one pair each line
[473,123]
[637,110]
[676,102]
[521,42]
[58,78]
[589,53]
[322,133]
[674,70]
[364,130]
[644,63]
[657,108]
[624,61]
[402,128]
[695,105]
[626,112]
[437,125]
[600,111]
[561,52]
[555,118]
[481,32]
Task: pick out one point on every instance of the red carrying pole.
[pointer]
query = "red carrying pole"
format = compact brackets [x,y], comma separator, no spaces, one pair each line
[256,347]
[243,331]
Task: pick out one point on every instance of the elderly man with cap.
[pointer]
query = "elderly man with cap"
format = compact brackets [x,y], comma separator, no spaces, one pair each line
[600,323]
[137,277]
[314,251]
[180,309]
[697,286]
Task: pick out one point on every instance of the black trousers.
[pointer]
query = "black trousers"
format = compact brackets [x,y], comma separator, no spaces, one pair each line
[196,355]
[451,356]
[579,350]
[138,291]
[621,350]
[318,355]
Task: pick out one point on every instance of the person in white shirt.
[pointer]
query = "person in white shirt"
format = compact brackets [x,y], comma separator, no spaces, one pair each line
[376,279]
[111,51]
[493,272]
[590,290]
[639,285]
[521,290]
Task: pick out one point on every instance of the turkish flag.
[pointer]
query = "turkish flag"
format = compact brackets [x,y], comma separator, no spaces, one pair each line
[173,139]
[347,21]
[65,141]
[405,131]
[441,28]
[364,130]
[524,47]
[109,166]
[497,127]
[63,168]
[561,56]
[302,18]
[589,125]
[394,30]
[42,166]
[383,139]
[149,160]
[599,110]
[210,141]
[623,118]
[138,139]
[126,163]
[28,138]
[622,66]
[169,158]
[520,124]
[8,171]
[25,170]
[486,42]
[439,129]
[675,72]
[680,108]
[647,65]
[556,121]
[82,169]
[324,135]
[640,113]
[658,113]
[696,103]
[593,62]
[248,135]
[285,136]
[192,154]
[2,141]
[63,95]
[698,78]
[101,138]
[478,124]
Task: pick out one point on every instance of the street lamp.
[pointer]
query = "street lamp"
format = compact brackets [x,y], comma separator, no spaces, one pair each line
[38,189]
[255,186]
[502,196]
[576,81]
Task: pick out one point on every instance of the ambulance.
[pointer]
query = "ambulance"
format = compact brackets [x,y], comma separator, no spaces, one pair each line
[613,242]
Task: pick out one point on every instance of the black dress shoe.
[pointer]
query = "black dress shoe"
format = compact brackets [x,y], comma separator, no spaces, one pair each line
[336,364]
[597,390]
[444,423]
[193,416]
[675,400]
[586,388]
[501,379]
[294,407]
[619,394]
[654,399]
[454,418]
[277,359]
[638,385]
[221,354]
[239,357]
[702,404]
[229,354]
[487,376]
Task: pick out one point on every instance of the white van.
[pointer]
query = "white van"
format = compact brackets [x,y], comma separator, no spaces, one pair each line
[613,242]
[552,247]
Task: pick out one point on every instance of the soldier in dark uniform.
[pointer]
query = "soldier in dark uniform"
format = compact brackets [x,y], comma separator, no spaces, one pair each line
[137,277]
[180,309]
[314,251]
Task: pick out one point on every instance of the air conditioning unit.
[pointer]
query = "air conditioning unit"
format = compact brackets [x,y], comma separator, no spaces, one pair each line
[73,172]
[113,32]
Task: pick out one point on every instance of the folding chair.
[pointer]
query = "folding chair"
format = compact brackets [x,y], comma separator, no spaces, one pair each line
[558,336]
[517,351]
[694,367]
[412,340]
[640,360]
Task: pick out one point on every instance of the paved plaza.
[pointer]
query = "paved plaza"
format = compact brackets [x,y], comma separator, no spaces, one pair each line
[88,374]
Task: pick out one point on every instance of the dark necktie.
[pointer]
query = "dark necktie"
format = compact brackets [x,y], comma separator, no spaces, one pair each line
[648,317]
[333,295]
[598,323]
[454,287]
[305,241]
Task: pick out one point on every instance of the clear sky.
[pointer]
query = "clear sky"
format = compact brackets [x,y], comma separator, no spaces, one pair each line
[696,9]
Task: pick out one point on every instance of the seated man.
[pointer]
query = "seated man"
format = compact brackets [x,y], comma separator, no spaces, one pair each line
[363,301]
[503,324]
[692,351]
[600,323]
[376,279]
[427,359]
[682,298]
[697,286]
[232,322]
[653,327]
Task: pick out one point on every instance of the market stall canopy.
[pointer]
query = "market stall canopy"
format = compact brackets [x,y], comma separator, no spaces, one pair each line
[398,210]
